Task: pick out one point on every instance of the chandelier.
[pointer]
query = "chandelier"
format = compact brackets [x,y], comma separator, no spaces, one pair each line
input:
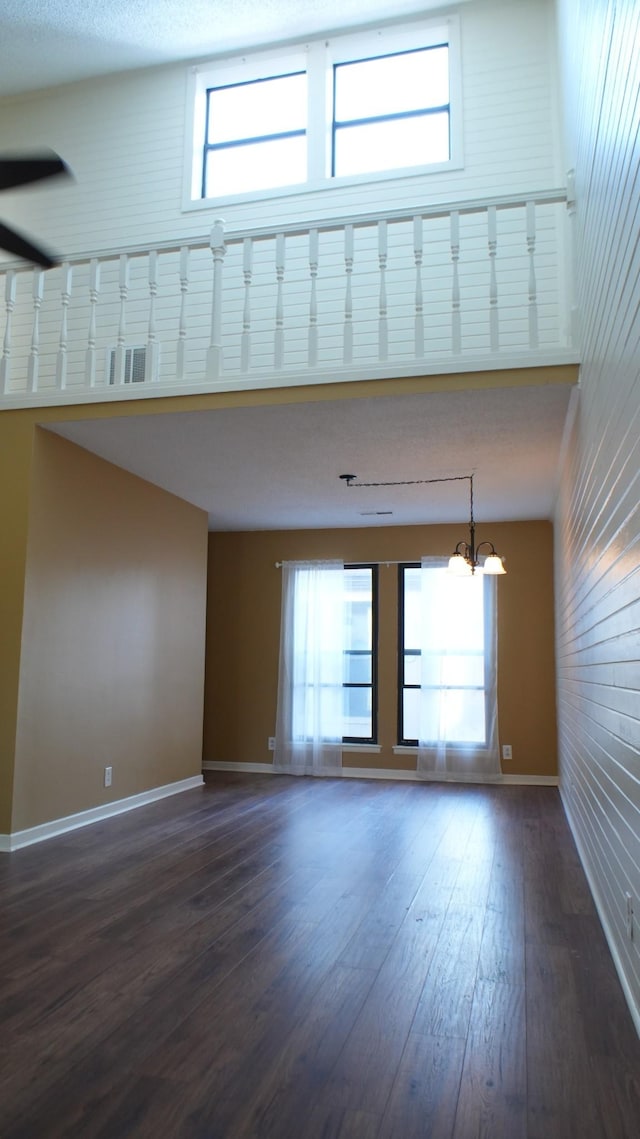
[465,559]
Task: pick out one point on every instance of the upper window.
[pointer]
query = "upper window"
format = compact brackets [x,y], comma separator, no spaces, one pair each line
[391,111]
[377,103]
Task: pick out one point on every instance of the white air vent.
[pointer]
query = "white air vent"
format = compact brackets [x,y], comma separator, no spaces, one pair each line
[134,365]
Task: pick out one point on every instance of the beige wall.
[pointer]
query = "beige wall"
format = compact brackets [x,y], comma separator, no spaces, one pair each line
[113,636]
[243,629]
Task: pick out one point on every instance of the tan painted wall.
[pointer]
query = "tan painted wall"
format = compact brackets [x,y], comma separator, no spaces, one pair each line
[244,623]
[113,636]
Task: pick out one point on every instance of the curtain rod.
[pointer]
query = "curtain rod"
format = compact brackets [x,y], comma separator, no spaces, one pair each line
[369,561]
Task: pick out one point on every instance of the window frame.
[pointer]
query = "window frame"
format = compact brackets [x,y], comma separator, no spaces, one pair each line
[318,57]
[402,652]
[373,686]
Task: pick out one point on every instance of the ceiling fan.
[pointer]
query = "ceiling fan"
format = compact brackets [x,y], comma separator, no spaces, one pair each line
[20,171]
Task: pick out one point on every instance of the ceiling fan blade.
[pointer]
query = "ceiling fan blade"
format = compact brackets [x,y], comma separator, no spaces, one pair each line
[13,242]
[19,171]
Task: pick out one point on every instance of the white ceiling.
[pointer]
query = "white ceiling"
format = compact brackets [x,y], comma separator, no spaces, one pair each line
[46,42]
[264,468]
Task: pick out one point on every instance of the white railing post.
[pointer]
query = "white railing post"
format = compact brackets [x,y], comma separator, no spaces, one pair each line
[10,302]
[34,357]
[417,256]
[573,333]
[151,355]
[119,369]
[313,300]
[383,331]
[214,354]
[181,347]
[456,323]
[347,350]
[61,362]
[278,346]
[533,288]
[247,275]
[493,280]
[94,290]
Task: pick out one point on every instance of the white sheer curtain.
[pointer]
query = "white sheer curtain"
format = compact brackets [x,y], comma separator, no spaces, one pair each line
[458,683]
[310,695]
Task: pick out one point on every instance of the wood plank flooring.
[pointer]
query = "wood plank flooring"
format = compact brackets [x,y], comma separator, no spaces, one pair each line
[287,958]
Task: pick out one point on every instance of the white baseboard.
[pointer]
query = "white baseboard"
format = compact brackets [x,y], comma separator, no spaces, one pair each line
[634,1008]
[18,839]
[385,773]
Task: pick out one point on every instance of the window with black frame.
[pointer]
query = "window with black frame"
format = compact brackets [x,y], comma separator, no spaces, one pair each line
[360,653]
[443,657]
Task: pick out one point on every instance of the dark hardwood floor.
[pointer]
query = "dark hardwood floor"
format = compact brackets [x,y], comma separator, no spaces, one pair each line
[313,959]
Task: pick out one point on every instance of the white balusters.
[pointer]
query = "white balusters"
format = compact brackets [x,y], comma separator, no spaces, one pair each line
[123,288]
[454,239]
[34,357]
[65,296]
[417,257]
[278,350]
[247,275]
[94,292]
[214,354]
[181,347]
[493,280]
[313,300]
[10,302]
[152,353]
[383,330]
[533,288]
[347,349]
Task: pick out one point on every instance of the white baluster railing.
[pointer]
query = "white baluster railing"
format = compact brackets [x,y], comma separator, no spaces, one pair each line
[220,310]
[33,371]
[247,276]
[347,350]
[10,303]
[61,363]
[181,347]
[120,357]
[313,299]
[94,293]
[214,354]
[151,357]
[278,347]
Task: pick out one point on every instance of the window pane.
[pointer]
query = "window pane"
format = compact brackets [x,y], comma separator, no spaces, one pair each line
[357,719]
[412,668]
[257,166]
[357,668]
[411,713]
[412,617]
[409,81]
[459,671]
[358,605]
[457,716]
[391,145]
[249,110]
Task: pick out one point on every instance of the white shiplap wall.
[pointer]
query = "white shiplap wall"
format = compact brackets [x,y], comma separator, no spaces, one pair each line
[598,520]
[124,137]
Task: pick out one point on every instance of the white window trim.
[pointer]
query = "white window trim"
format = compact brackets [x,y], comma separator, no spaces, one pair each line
[324,53]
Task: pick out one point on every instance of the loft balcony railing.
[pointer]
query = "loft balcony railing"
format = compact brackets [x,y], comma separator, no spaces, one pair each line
[465,286]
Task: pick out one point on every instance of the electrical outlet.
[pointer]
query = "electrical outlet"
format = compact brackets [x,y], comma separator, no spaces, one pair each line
[271,743]
[629,916]
[108,776]
[507,752]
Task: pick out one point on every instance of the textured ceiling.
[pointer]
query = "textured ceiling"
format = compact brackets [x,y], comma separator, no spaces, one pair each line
[46,42]
[278,467]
